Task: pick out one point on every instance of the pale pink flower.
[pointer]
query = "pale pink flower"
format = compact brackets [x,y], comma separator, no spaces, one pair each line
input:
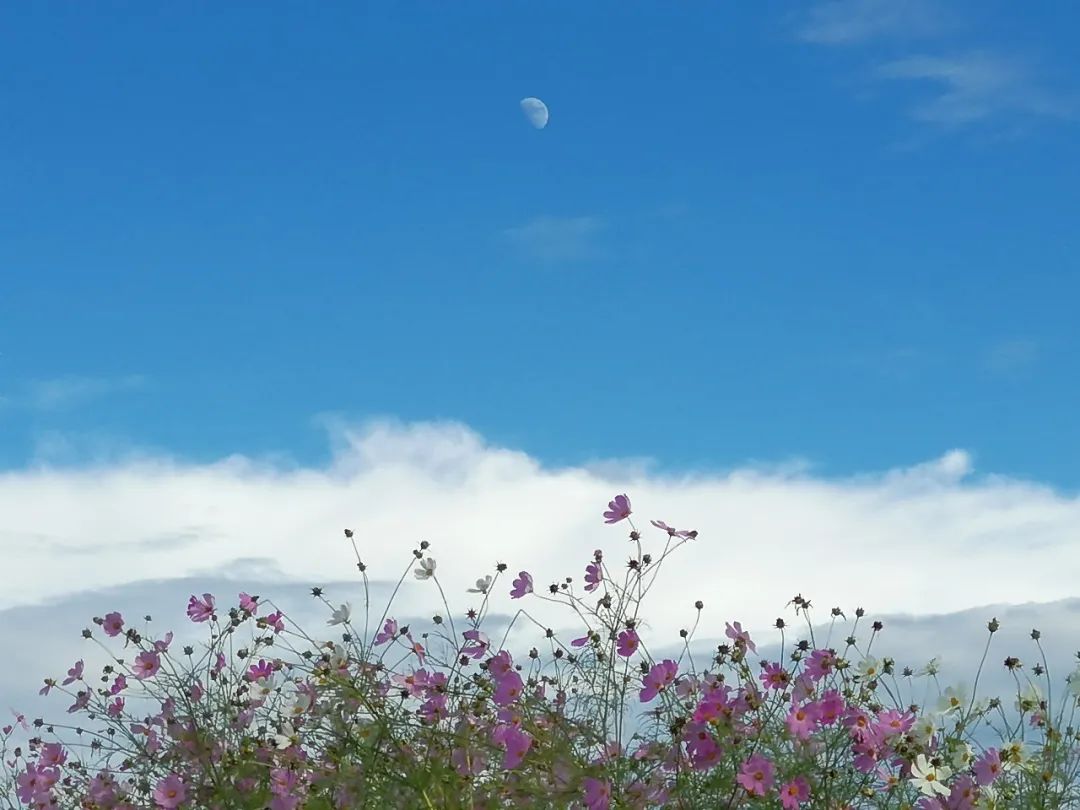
[522,585]
[201,610]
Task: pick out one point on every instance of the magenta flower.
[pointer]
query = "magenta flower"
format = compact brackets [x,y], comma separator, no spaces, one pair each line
[163,645]
[249,603]
[170,792]
[389,632]
[466,762]
[593,576]
[113,624]
[581,642]
[522,585]
[628,643]
[74,674]
[740,636]
[597,794]
[200,610]
[618,509]
[794,793]
[660,677]
[756,775]
[263,669]
[219,664]
[832,707]
[147,665]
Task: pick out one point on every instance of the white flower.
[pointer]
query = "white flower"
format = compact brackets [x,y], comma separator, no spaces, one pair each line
[924,729]
[340,615]
[1029,700]
[262,688]
[286,737]
[300,705]
[1074,683]
[928,779]
[482,585]
[426,569]
[869,668]
[962,756]
[952,699]
[931,668]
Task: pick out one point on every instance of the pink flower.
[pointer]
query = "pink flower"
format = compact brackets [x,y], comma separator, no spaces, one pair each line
[594,575]
[82,700]
[466,762]
[116,708]
[147,665]
[389,632]
[740,636]
[163,645]
[477,646]
[170,792]
[628,643]
[581,642]
[501,664]
[201,610]
[597,794]
[673,532]
[987,768]
[659,678]
[274,620]
[820,664]
[249,603]
[52,754]
[831,707]
[794,793]
[74,674]
[756,775]
[803,720]
[508,688]
[219,663]
[618,509]
[522,585]
[515,742]
[113,624]
[774,676]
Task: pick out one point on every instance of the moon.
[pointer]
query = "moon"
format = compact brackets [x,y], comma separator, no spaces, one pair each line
[535,111]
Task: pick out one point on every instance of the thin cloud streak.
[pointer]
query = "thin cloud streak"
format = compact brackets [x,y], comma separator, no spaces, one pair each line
[849,22]
[977,87]
[557,239]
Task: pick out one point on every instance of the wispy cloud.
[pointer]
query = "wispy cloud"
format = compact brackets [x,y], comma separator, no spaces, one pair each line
[1010,357]
[977,87]
[848,22]
[557,239]
[72,390]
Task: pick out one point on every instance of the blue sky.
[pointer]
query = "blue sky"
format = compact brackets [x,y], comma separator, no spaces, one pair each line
[843,232]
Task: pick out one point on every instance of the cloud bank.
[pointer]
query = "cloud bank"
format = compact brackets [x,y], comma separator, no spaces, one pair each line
[916,544]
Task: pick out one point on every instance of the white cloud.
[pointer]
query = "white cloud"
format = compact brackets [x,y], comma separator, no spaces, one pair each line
[846,22]
[925,541]
[557,239]
[72,390]
[977,87]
